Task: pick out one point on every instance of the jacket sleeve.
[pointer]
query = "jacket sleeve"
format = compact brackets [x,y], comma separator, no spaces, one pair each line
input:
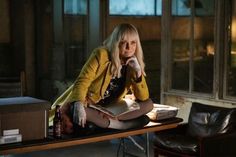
[86,77]
[139,88]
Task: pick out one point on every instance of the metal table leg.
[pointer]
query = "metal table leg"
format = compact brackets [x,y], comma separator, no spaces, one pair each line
[147,145]
[145,150]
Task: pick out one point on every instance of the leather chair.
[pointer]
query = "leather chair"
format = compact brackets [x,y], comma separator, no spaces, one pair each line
[210,132]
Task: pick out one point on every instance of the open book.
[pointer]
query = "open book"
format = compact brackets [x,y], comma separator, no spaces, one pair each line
[119,108]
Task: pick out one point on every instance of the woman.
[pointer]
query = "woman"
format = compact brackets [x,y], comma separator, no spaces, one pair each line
[109,74]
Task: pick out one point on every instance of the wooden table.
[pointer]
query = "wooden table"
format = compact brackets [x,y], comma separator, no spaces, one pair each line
[50,143]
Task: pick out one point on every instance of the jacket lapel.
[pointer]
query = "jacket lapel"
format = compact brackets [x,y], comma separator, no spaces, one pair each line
[107,79]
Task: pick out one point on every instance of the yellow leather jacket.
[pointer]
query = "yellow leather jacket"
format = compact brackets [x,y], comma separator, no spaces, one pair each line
[94,79]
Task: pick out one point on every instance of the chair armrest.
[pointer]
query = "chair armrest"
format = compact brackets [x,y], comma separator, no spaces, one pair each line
[218,145]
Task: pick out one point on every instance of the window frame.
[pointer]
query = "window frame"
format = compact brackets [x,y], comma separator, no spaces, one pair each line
[219,75]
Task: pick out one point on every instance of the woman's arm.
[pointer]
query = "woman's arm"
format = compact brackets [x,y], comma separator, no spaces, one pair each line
[86,77]
[140,89]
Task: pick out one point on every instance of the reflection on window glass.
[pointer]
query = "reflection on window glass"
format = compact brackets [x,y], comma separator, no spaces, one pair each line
[180,45]
[204,48]
[141,7]
[75,30]
[204,7]
[231,62]
[180,52]
[195,49]
[75,7]
[159,7]
[183,7]
[203,64]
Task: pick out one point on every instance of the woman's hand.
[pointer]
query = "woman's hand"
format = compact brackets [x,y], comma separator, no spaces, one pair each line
[79,115]
[133,62]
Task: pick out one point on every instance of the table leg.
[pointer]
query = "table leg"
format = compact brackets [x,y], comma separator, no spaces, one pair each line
[146,150]
[147,145]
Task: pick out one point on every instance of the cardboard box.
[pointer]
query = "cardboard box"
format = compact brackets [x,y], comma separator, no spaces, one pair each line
[29,115]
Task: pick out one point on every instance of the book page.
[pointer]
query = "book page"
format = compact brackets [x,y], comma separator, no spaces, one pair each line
[118,108]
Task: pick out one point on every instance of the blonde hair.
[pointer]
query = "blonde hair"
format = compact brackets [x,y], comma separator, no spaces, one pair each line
[112,44]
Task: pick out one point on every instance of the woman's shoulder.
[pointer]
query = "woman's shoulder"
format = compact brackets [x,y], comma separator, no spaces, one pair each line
[101,52]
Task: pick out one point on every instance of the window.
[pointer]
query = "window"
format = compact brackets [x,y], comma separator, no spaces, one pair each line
[75,35]
[180,8]
[201,50]
[75,7]
[141,7]
[183,7]
[192,38]
[231,53]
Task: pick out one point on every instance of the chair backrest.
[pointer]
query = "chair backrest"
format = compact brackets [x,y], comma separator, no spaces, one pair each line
[206,120]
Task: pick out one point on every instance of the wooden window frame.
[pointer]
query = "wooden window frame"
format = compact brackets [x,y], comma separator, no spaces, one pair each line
[220,41]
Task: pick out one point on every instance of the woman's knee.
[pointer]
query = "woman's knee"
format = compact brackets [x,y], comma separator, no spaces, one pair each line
[147,105]
[150,104]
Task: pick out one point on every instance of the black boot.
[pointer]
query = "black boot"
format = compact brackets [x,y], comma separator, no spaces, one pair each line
[138,122]
[129,124]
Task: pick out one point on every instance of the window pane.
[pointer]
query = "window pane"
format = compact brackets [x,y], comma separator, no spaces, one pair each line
[158,7]
[180,52]
[74,7]
[203,52]
[231,62]
[181,7]
[197,44]
[130,7]
[204,7]
[75,39]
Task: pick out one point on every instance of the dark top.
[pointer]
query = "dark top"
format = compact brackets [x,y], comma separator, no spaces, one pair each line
[115,88]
